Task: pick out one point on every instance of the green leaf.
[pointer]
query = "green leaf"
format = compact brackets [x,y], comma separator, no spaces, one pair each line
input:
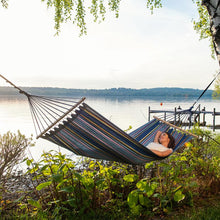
[147,187]
[68,189]
[148,165]
[141,199]
[130,178]
[57,177]
[132,199]
[63,167]
[28,162]
[43,185]
[142,185]
[183,158]
[156,195]
[23,206]
[44,168]
[179,196]
[61,183]
[34,203]
[91,164]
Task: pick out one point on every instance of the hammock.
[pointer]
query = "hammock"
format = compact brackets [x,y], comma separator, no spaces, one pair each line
[89,134]
[74,125]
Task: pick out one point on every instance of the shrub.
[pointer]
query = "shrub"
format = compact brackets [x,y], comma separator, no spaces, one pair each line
[12,150]
[63,190]
[193,172]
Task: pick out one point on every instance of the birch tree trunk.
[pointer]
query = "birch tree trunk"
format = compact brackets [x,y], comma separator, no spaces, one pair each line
[213,7]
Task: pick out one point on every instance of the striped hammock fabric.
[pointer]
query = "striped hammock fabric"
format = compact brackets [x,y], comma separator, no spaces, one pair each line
[89,134]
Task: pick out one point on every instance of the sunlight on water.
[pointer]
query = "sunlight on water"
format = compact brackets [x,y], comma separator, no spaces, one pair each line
[15,115]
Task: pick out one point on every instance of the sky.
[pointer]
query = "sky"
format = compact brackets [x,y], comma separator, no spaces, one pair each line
[137,50]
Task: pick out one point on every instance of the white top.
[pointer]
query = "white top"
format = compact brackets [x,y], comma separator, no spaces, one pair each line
[157,146]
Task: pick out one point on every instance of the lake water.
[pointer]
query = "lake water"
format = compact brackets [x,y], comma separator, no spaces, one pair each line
[15,115]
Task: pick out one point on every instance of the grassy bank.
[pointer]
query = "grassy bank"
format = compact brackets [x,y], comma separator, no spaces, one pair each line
[207,208]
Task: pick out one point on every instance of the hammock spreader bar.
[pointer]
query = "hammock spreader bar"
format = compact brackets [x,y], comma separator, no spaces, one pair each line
[176,127]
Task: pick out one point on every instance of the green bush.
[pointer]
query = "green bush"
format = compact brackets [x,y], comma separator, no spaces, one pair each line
[63,189]
[179,178]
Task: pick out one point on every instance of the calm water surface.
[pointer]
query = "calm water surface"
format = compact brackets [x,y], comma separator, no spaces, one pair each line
[15,115]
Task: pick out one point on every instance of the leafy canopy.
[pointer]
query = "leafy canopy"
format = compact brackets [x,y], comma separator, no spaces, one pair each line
[4,3]
[202,25]
[78,10]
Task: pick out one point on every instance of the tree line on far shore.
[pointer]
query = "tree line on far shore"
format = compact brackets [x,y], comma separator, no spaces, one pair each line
[169,92]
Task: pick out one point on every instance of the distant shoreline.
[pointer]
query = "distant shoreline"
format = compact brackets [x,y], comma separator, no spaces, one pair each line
[119,93]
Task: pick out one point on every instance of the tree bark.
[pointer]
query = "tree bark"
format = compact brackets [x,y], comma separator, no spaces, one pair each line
[213,7]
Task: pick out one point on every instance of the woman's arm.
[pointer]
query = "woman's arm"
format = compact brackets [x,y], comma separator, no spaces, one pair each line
[156,138]
[163,153]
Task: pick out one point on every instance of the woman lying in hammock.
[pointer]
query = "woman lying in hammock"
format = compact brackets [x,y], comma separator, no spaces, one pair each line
[163,144]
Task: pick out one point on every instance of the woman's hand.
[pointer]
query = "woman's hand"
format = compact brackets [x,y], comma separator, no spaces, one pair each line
[157,136]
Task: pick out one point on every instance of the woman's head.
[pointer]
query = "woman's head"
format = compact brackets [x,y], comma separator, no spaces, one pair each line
[167,140]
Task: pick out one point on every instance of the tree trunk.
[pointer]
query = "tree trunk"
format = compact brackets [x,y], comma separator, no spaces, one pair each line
[213,7]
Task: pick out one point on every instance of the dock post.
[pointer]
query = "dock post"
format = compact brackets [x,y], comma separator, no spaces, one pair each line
[178,119]
[214,119]
[199,116]
[149,113]
[175,116]
[204,116]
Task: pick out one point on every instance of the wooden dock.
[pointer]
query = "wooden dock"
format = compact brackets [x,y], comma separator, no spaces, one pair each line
[198,116]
